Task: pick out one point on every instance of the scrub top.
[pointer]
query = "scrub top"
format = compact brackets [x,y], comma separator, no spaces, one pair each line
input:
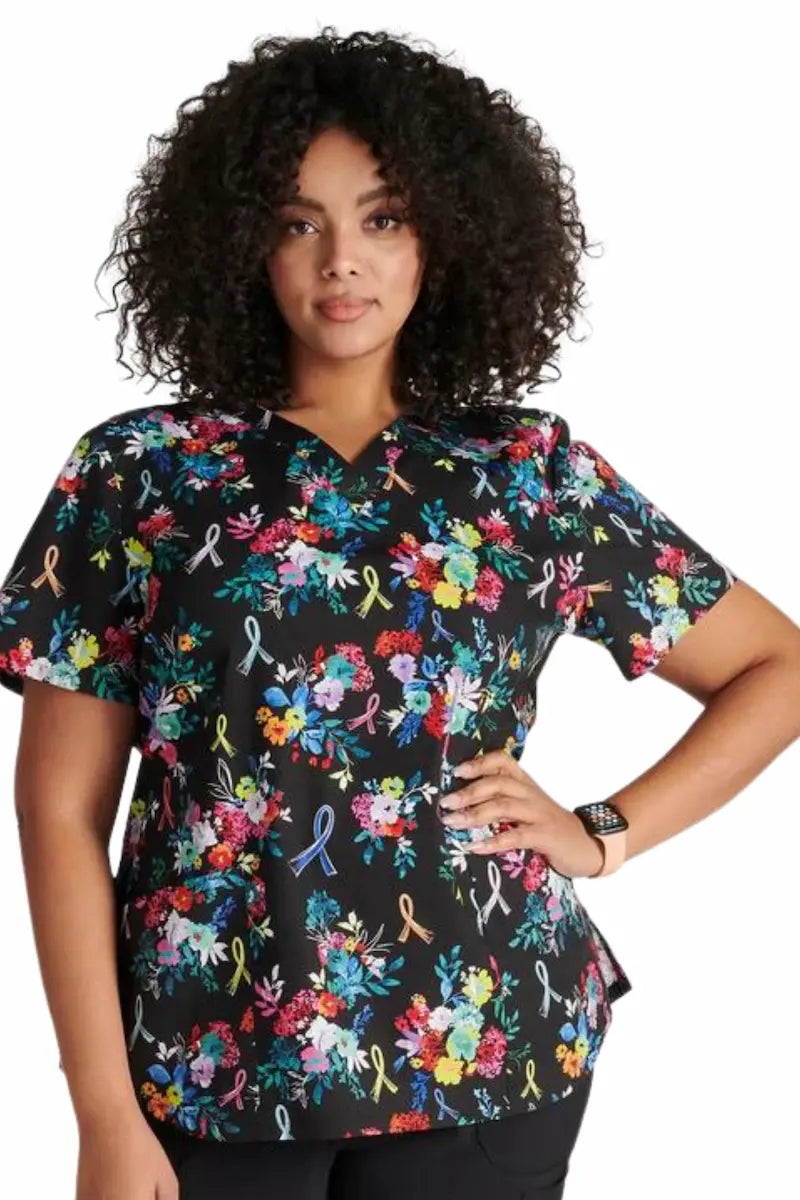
[304,949]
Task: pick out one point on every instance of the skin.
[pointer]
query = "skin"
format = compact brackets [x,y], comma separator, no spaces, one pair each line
[341,374]
[741,662]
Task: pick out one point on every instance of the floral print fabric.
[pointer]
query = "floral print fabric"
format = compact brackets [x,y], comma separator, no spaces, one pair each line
[312,645]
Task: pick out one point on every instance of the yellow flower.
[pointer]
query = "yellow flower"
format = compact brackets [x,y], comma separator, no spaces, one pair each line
[447,595]
[581,1046]
[392,785]
[514,660]
[448,1070]
[84,651]
[478,987]
[173,1094]
[664,591]
[294,718]
[467,534]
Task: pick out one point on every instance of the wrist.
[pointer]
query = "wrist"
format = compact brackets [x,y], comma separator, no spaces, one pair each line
[606,826]
[116,1111]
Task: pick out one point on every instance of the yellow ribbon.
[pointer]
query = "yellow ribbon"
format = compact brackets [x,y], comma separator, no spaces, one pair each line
[531,1085]
[222,725]
[376,1054]
[371,577]
[237,947]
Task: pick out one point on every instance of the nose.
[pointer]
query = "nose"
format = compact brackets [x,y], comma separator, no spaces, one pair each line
[339,253]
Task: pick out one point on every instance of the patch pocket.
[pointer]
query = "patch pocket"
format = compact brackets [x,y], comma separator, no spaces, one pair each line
[538,1142]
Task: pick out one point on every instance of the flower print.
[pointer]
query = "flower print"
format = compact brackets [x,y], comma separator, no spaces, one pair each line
[439,1018]
[202,939]
[260,1001]
[338,667]
[448,1070]
[291,574]
[496,529]
[447,595]
[461,569]
[489,589]
[478,987]
[334,569]
[417,698]
[328,693]
[573,1057]
[402,667]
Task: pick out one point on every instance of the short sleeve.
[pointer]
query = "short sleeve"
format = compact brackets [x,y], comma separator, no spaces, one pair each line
[72,600]
[628,578]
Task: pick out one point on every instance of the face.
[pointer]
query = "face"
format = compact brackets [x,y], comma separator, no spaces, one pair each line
[334,237]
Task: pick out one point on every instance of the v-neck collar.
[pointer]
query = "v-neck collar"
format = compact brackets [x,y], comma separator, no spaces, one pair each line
[351,464]
[352,472]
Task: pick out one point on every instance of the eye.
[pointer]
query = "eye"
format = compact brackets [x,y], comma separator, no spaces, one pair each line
[387,216]
[381,216]
[287,225]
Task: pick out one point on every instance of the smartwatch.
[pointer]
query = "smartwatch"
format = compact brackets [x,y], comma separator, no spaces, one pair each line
[607,825]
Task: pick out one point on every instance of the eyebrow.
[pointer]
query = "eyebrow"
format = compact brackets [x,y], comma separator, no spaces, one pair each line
[364,198]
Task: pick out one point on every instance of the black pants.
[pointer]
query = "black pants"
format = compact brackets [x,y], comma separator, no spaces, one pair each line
[520,1157]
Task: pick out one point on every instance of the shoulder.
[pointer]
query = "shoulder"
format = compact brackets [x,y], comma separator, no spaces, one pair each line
[125,425]
[104,458]
[531,429]
[151,431]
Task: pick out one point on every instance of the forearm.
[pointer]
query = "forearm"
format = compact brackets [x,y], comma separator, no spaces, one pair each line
[71,898]
[739,732]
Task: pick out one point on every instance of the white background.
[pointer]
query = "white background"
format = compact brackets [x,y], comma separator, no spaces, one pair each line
[679,124]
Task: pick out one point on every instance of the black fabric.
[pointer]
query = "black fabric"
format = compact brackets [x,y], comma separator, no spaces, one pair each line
[311,646]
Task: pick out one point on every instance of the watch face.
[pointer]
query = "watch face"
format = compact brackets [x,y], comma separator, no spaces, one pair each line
[601,817]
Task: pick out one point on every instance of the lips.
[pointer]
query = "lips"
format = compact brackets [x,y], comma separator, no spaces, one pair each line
[344,310]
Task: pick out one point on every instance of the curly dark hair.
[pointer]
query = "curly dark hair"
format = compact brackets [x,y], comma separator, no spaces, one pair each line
[492,203]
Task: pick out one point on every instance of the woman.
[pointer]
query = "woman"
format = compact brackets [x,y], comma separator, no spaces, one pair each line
[320,588]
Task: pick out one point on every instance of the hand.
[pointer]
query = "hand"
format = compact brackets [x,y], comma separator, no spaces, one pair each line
[123,1160]
[498,789]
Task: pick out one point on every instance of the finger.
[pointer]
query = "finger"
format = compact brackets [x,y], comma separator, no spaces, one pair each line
[483,789]
[501,843]
[496,808]
[493,762]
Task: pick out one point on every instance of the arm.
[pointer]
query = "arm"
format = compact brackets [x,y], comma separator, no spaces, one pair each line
[742,662]
[71,763]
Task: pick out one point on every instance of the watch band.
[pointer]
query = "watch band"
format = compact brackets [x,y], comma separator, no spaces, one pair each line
[614,847]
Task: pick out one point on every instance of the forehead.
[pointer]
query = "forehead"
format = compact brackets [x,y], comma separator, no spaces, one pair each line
[297,199]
